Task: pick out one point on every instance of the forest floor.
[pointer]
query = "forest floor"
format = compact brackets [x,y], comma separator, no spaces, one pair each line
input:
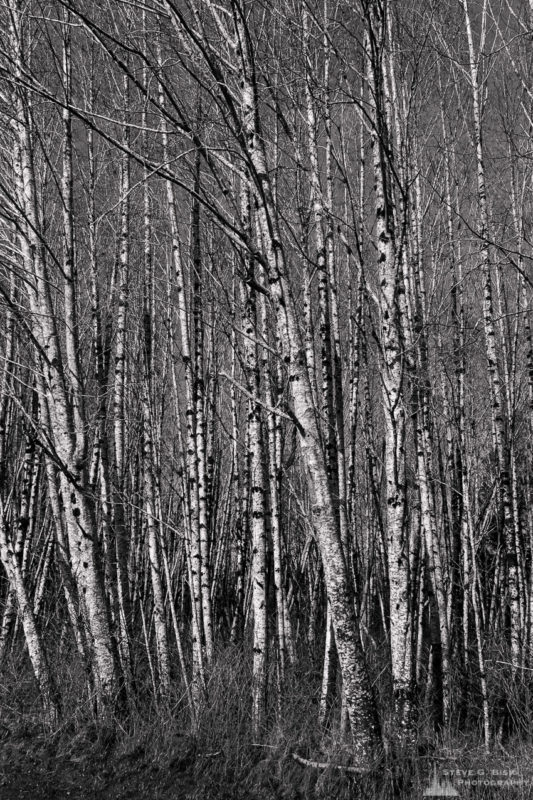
[37,768]
[33,769]
[153,756]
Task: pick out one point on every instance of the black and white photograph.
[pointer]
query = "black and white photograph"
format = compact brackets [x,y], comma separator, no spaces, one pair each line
[266,399]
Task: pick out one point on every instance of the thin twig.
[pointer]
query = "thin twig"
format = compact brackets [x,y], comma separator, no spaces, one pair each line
[290,417]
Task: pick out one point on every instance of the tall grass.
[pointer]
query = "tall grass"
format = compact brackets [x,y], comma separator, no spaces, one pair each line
[219,758]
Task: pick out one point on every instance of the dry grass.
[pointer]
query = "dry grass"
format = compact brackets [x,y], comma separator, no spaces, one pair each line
[156,750]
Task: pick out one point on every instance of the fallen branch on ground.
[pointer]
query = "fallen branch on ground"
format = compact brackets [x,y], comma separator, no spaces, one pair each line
[324,765]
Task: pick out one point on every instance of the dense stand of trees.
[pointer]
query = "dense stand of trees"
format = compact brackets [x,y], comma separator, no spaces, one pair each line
[266,376]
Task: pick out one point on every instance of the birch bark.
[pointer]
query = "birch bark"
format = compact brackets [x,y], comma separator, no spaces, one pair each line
[491,346]
[360,702]
[392,324]
[60,387]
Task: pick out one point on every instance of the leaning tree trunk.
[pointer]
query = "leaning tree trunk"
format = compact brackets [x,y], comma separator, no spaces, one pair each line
[359,697]
[39,661]
[60,387]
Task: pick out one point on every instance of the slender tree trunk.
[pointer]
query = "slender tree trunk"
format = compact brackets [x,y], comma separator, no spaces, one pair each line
[149,465]
[41,669]
[392,323]
[497,405]
[360,702]
[61,392]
